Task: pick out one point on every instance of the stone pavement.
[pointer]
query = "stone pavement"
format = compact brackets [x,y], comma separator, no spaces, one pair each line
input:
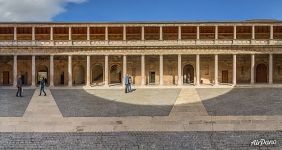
[140,140]
[12,106]
[42,106]
[114,102]
[192,116]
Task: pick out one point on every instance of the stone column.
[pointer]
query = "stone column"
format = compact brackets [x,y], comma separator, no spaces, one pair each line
[161,33]
[179,70]
[15,70]
[142,33]
[271,32]
[216,69]
[33,71]
[234,78]
[88,57]
[270,79]
[51,34]
[253,32]
[198,32]
[252,69]
[88,33]
[161,69]
[197,69]
[124,70]
[15,33]
[70,34]
[51,70]
[179,33]
[70,70]
[106,33]
[106,70]
[143,70]
[33,33]
[234,32]
[124,33]
[216,32]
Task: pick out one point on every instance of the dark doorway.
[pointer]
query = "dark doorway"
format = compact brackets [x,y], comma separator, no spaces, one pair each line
[224,76]
[62,81]
[188,74]
[261,73]
[152,77]
[97,74]
[115,74]
[6,77]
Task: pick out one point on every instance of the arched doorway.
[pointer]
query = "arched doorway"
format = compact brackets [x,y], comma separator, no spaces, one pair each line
[261,73]
[115,74]
[78,75]
[6,73]
[188,74]
[97,75]
[42,72]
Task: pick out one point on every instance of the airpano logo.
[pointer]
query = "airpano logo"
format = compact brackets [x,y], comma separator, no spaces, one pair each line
[263,142]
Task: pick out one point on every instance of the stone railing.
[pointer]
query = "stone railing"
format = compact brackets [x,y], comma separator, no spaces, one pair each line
[141,43]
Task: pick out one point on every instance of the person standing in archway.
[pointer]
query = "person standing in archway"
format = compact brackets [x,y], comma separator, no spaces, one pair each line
[42,85]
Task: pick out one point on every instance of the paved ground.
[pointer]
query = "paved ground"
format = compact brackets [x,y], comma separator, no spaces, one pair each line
[109,119]
[140,140]
[242,101]
[12,106]
[114,102]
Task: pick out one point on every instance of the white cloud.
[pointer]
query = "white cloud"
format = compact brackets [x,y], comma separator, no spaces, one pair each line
[32,10]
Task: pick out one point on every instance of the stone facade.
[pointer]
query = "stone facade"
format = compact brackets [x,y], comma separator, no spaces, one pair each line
[169,54]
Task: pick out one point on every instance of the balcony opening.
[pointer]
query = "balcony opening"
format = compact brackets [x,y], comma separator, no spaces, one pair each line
[115,33]
[152,33]
[97,33]
[133,33]
[6,33]
[277,32]
[262,32]
[189,33]
[79,33]
[207,32]
[42,33]
[170,33]
[24,33]
[61,33]
[225,32]
[244,32]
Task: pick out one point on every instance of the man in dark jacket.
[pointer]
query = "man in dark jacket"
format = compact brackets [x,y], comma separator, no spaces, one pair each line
[19,86]
[42,85]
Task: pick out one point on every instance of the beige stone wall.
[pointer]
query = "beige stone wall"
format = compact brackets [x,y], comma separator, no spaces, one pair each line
[207,69]
[243,68]
[170,75]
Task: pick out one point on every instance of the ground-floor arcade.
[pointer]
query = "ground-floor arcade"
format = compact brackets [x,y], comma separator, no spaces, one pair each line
[167,70]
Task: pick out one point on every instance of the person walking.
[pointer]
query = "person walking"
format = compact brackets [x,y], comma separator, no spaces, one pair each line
[126,82]
[42,85]
[19,86]
[129,84]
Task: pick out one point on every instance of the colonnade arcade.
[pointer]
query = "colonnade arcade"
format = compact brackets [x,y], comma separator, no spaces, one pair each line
[107,70]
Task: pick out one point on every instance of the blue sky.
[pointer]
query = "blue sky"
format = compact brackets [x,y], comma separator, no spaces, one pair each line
[170,10]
